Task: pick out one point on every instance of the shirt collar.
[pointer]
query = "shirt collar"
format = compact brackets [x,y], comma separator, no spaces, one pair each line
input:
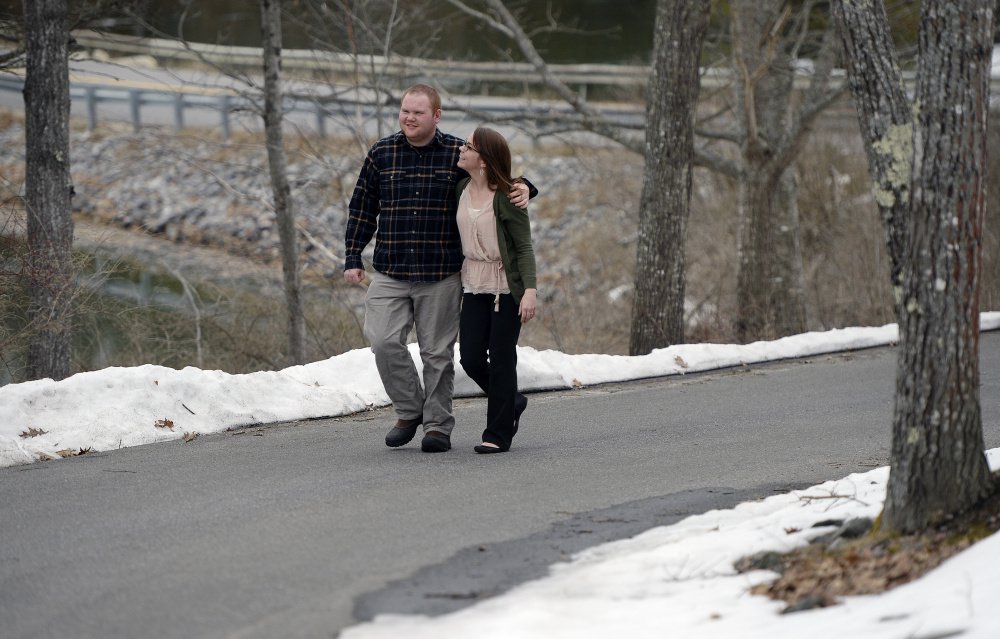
[437,140]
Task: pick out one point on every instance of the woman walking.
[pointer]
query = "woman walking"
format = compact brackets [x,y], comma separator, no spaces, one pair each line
[498,282]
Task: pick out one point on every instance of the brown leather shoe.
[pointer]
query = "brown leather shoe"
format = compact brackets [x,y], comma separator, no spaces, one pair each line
[402,432]
[435,442]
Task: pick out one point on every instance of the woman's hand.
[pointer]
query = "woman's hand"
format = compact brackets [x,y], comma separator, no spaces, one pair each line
[528,303]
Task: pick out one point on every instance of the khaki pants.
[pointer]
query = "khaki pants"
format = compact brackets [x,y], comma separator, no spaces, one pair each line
[392,308]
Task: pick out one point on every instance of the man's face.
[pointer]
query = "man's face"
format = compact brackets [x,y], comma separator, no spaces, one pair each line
[417,120]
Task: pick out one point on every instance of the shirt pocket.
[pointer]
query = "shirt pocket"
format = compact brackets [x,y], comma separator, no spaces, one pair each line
[391,185]
[445,176]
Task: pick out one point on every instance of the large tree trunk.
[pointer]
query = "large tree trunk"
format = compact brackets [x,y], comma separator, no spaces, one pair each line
[658,308]
[938,461]
[48,188]
[283,204]
[770,296]
[928,171]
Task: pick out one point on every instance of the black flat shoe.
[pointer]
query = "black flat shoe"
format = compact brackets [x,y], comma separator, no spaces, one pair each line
[520,403]
[402,432]
[486,450]
[435,442]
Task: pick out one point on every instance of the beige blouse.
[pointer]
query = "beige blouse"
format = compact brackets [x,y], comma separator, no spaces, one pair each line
[482,270]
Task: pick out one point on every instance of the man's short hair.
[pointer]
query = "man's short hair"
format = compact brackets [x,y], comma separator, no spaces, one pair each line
[432,95]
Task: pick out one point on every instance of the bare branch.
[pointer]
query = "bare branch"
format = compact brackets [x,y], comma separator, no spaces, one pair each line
[716,163]
[482,17]
[190,294]
[724,136]
[11,58]
[750,78]
[593,120]
[818,97]
[803,29]
[223,70]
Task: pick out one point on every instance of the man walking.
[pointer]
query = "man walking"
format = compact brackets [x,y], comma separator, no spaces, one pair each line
[405,198]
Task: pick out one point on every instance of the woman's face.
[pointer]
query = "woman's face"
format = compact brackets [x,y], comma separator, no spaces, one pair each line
[468,155]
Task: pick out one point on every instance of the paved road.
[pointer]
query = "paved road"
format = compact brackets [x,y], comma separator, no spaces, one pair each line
[298,530]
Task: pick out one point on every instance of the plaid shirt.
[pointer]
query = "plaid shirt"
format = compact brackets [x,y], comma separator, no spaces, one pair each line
[408,194]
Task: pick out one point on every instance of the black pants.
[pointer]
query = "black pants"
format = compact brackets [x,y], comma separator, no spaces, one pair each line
[488,353]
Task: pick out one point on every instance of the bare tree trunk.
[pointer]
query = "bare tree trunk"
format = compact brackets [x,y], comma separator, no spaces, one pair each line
[48,188]
[788,290]
[928,175]
[770,296]
[884,115]
[938,461]
[283,204]
[658,308]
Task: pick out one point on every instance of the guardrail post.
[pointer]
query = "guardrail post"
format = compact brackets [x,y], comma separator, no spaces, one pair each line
[133,104]
[224,104]
[90,95]
[178,111]
[320,119]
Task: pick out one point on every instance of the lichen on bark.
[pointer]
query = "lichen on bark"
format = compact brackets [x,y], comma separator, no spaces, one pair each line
[896,148]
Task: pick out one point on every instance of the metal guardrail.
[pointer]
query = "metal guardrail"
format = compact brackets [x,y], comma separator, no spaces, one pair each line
[135,97]
[408,70]
[227,102]
[328,66]
[305,61]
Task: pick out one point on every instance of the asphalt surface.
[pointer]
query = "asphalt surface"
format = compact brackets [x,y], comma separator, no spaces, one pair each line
[299,530]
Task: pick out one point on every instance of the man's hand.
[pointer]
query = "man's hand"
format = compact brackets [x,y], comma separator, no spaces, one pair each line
[354,275]
[519,196]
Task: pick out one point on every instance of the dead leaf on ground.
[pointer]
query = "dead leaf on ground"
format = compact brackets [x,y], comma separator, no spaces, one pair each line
[817,575]
[32,432]
[164,423]
[680,361]
[577,383]
[71,452]
[190,437]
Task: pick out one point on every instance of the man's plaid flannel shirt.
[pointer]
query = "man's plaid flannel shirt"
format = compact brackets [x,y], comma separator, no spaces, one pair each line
[408,194]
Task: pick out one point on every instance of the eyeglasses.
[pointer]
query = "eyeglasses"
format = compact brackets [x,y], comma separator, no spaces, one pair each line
[468,146]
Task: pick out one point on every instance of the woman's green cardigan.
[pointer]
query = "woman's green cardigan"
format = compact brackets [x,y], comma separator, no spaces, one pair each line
[514,235]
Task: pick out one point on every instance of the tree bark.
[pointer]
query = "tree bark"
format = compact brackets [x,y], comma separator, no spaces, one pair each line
[283,204]
[938,461]
[770,296]
[884,115]
[48,188]
[928,166]
[658,307]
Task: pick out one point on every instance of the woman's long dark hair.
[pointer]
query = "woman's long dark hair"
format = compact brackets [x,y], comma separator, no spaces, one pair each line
[495,152]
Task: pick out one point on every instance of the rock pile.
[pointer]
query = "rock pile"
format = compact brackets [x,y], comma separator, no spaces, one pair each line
[198,190]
